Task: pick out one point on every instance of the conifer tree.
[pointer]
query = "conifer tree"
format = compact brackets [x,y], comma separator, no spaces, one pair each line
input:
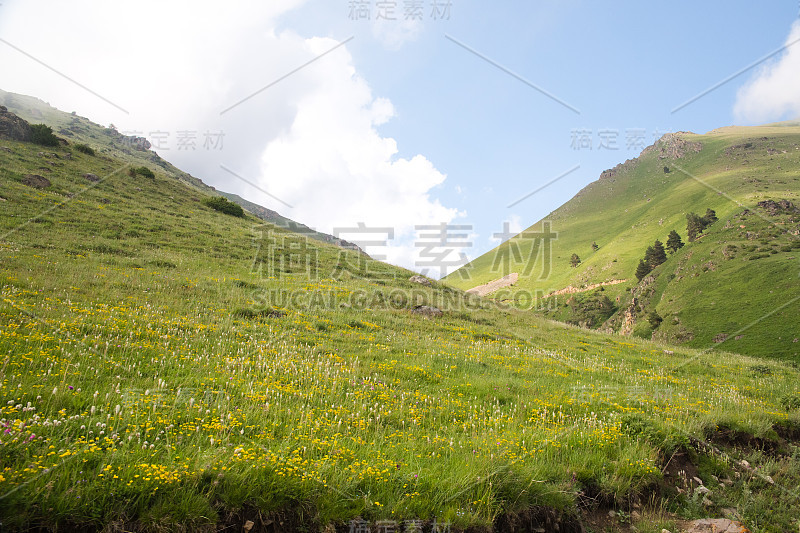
[694,226]
[659,255]
[709,218]
[642,270]
[674,242]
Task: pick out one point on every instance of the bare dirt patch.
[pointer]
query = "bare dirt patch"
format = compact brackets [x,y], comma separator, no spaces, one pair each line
[488,288]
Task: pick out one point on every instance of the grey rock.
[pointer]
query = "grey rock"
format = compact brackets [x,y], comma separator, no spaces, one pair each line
[422,280]
[427,311]
[715,525]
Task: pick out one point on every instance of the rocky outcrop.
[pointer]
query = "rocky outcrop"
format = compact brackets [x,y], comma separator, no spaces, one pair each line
[629,318]
[775,208]
[36,181]
[673,146]
[422,280]
[630,164]
[12,127]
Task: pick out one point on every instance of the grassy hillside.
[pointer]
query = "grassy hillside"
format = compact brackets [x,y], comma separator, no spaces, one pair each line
[728,170]
[135,152]
[167,367]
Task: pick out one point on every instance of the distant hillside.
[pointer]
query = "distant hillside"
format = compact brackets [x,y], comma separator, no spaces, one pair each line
[136,151]
[712,291]
[281,221]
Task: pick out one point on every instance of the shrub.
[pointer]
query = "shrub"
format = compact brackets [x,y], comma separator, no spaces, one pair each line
[43,134]
[84,148]
[643,331]
[223,205]
[654,319]
[590,310]
[142,171]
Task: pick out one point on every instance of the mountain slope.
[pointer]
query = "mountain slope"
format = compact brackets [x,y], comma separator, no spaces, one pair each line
[136,151]
[167,367]
[729,170]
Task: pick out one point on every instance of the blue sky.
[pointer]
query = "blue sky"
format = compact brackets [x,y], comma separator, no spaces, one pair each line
[624,67]
[405,124]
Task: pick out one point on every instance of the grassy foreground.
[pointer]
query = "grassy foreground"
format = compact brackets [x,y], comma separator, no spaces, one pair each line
[168,367]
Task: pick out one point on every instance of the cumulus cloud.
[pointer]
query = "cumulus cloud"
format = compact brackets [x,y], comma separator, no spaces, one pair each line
[774,92]
[310,139]
[332,160]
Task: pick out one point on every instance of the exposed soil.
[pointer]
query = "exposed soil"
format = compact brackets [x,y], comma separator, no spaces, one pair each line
[573,290]
[730,438]
[496,285]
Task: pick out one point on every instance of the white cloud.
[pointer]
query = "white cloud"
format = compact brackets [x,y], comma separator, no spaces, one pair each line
[337,170]
[393,34]
[310,139]
[774,92]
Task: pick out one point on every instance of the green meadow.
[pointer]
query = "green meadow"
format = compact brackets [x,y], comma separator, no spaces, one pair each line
[167,367]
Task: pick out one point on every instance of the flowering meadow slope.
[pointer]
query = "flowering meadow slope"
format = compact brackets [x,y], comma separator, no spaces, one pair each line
[166,366]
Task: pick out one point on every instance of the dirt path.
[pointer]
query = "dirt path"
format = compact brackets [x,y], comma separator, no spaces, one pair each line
[572,290]
[489,288]
[507,281]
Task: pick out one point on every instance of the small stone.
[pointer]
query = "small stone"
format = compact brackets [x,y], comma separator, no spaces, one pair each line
[248,525]
[665,531]
[769,480]
[707,502]
[697,480]
[702,490]
[612,514]
[422,280]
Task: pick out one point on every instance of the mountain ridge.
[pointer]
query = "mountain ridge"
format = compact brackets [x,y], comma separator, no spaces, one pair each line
[730,170]
[74,128]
